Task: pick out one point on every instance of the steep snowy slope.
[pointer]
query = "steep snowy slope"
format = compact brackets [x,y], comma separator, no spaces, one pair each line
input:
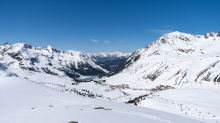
[48,60]
[25,101]
[175,57]
[186,62]
[102,57]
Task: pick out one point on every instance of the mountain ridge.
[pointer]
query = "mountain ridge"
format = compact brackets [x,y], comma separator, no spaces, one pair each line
[50,60]
[177,57]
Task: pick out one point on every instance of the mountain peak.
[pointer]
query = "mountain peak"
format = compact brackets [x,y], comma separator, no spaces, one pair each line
[175,33]
[6,44]
[48,47]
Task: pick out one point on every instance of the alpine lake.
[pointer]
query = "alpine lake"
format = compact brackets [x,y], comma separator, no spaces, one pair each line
[86,78]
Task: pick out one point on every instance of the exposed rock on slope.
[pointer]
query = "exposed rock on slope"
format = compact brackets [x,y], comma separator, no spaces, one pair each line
[4,72]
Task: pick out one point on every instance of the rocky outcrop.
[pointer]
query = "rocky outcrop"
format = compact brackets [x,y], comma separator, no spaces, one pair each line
[218,34]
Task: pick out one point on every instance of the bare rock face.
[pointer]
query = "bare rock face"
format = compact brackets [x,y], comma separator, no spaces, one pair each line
[218,33]
[6,44]
[206,35]
[212,34]
[73,122]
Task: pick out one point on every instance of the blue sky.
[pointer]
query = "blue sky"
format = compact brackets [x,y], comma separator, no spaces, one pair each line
[103,25]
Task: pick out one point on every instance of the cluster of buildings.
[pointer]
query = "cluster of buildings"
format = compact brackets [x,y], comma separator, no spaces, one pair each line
[120,87]
[111,87]
[102,82]
[164,87]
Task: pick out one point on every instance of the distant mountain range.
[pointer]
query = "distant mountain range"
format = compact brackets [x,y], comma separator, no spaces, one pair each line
[52,61]
[103,57]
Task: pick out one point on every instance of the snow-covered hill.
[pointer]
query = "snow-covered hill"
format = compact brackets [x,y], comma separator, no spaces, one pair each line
[107,56]
[187,62]
[48,60]
[178,58]
[25,101]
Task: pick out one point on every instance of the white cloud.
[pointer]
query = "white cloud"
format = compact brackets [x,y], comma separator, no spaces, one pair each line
[169,26]
[122,41]
[165,29]
[106,41]
[94,40]
[161,31]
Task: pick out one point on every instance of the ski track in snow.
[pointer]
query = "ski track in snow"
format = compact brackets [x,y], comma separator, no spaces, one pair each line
[52,94]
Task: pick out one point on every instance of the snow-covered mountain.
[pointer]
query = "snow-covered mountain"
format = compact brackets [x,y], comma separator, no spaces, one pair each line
[107,56]
[48,60]
[188,63]
[177,58]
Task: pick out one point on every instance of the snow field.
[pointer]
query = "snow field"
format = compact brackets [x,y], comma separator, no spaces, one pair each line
[26,101]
